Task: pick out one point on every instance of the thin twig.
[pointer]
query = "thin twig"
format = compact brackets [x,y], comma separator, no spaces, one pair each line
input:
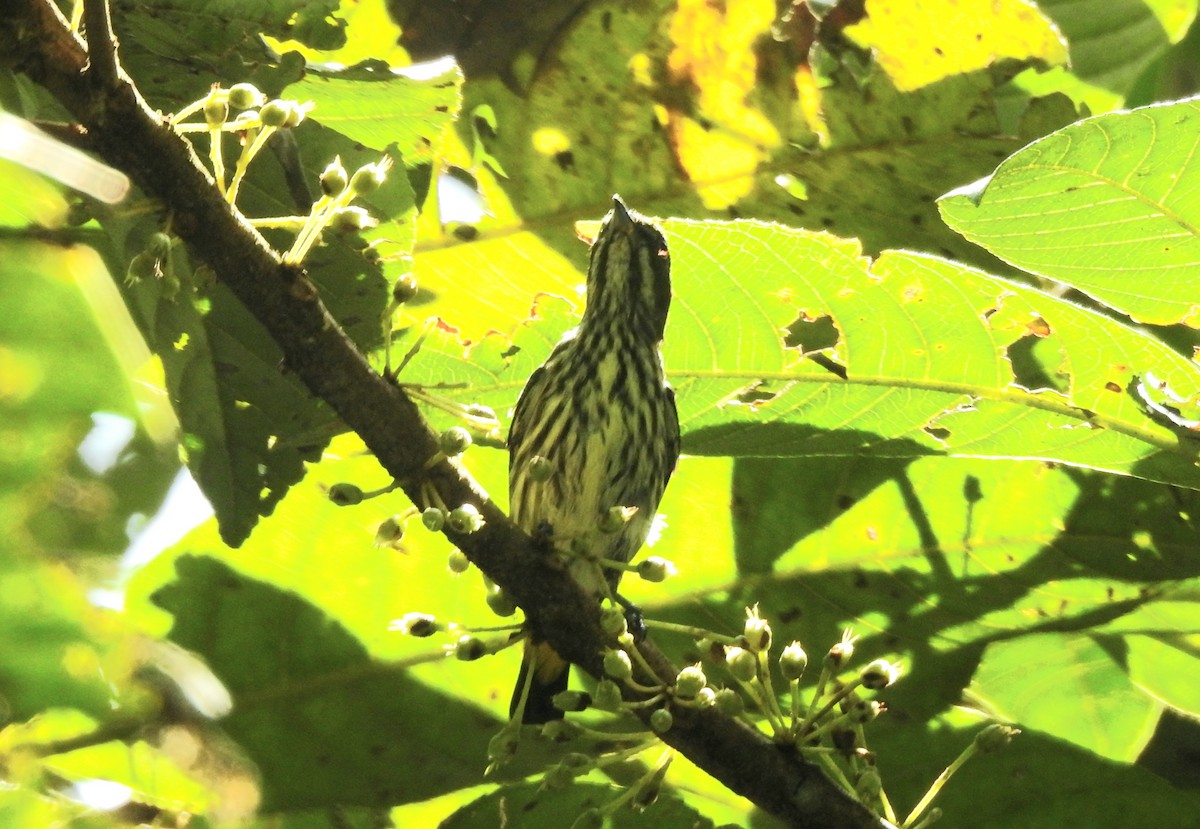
[102,45]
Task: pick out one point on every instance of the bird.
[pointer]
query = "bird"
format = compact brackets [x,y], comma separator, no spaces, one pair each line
[595,432]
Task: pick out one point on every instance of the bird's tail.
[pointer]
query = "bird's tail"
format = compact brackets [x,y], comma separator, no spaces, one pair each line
[546,674]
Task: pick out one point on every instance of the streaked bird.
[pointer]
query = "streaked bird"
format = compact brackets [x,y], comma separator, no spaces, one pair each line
[596,429]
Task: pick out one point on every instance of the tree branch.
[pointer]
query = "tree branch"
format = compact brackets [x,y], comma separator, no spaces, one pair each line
[128,135]
[103,70]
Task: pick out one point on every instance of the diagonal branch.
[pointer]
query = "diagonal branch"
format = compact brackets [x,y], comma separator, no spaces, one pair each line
[128,135]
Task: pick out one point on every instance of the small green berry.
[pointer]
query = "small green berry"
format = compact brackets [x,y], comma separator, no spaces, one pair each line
[690,681]
[743,664]
[465,519]
[333,179]
[404,289]
[457,561]
[706,697]
[655,569]
[661,721]
[245,96]
[501,603]
[793,662]
[434,518]
[345,495]
[454,441]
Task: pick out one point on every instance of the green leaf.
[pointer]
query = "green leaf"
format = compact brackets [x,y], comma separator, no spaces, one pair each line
[391,108]
[325,724]
[1144,28]
[930,351]
[1107,205]
[1117,719]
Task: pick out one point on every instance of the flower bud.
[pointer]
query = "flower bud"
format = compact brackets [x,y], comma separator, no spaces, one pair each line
[404,289]
[468,648]
[367,179]
[245,96]
[865,711]
[333,180]
[655,569]
[757,631]
[434,518]
[215,111]
[995,737]
[159,245]
[661,721]
[275,113]
[690,681]
[869,785]
[390,531]
[616,518]
[350,219]
[503,746]
[572,701]
[706,697]
[612,620]
[742,663]
[607,696]
[730,702]
[618,665]
[793,662]
[465,519]
[454,441]
[879,674]
[419,625]
[839,654]
[345,495]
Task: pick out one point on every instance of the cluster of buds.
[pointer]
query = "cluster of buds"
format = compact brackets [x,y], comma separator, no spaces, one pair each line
[256,120]
[333,209]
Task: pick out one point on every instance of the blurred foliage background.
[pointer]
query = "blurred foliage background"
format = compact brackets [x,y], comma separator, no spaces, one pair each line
[964,428]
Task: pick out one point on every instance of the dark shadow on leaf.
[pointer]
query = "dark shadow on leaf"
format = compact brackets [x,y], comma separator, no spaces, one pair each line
[325,724]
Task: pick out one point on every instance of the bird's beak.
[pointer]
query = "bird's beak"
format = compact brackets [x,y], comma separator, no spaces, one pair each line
[621,220]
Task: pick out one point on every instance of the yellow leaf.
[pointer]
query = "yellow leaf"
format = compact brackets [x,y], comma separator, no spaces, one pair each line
[918,42]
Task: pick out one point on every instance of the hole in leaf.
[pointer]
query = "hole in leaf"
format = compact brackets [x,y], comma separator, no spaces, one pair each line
[1035,363]
[937,432]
